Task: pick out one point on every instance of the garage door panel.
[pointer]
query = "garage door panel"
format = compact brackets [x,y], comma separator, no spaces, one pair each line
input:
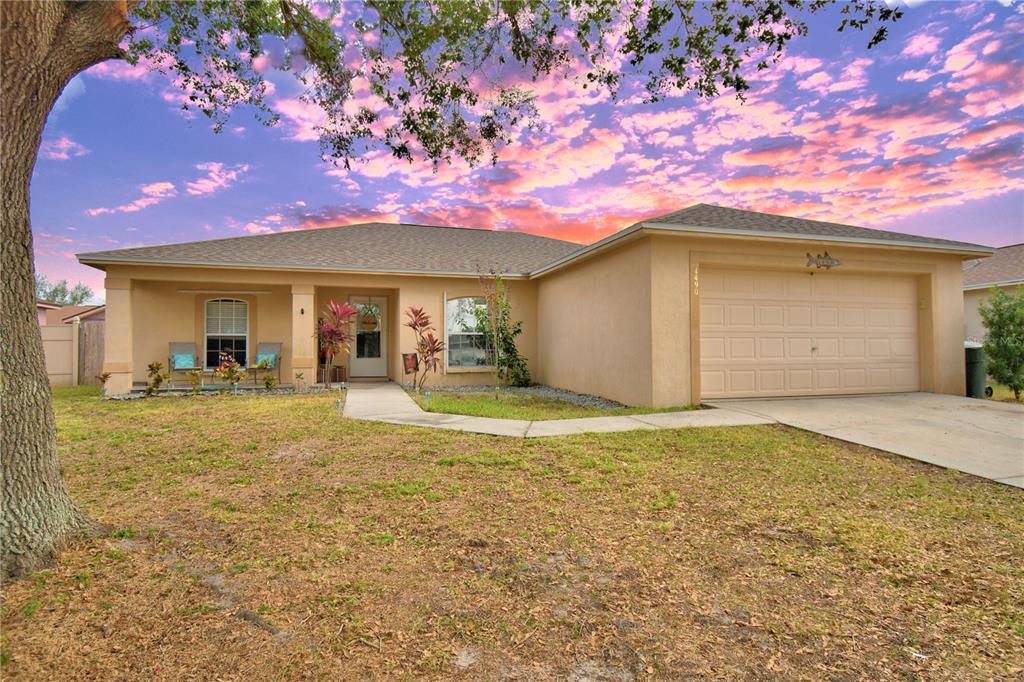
[712,315]
[712,348]
[772,348]
[826,316]
[787,333]
[798,316]
[740,315]
[828,347]
[771,315]
[828,379]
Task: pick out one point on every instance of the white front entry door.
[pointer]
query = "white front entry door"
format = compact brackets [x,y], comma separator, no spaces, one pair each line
[369,353]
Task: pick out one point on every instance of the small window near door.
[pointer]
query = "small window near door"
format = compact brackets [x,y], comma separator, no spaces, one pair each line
[467,343]
[227,330]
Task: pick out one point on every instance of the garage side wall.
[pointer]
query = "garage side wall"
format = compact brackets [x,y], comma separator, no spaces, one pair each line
[594,326]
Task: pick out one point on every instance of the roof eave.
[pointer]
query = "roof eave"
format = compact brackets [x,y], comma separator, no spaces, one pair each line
[85,259]
[971,249]
[599,245]
[989,285]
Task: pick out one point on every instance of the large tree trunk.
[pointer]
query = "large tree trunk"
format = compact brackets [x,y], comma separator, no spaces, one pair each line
[44,45]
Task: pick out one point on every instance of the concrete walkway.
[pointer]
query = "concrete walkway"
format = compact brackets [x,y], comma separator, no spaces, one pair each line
[980,437]
[389,403]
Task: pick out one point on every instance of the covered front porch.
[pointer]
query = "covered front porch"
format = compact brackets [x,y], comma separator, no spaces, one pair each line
[186,318]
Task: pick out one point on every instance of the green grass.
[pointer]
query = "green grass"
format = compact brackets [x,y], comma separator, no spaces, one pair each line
[382,552]
[511,405]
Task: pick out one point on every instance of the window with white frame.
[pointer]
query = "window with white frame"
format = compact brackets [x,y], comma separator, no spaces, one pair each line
[227,330]
[466,342]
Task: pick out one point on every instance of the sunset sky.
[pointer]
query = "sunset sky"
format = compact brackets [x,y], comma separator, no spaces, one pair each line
[921,134]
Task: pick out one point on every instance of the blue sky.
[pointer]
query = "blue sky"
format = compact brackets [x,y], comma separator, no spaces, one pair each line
[921,134]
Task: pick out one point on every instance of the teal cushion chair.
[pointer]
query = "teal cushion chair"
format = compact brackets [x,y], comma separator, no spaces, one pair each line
[270,351]
[182,356]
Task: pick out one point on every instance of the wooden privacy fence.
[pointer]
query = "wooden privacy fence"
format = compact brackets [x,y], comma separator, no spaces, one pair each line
[74,352]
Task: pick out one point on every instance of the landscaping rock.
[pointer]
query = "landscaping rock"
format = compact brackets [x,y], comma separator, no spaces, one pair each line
[538,390]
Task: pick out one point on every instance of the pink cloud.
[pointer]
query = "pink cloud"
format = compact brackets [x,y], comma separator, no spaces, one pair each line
[986,134]
[218,177]
[121,70]
[300,120]
[61,149]
[152,193]
[918,76]
[922,44]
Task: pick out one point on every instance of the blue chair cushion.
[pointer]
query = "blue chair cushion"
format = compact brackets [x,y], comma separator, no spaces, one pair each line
[183,361]
[271,359]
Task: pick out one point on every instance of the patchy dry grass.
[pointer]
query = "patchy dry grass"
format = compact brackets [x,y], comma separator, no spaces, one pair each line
[510,405]
[1004,394]
[266,538]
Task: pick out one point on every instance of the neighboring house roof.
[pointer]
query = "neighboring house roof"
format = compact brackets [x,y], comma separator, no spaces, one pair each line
[438,250]
[46,305]
[1005,267]
[82,312]
[369,247]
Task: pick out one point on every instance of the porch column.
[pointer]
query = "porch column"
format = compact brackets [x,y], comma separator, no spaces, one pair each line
[117,338]
[303,330]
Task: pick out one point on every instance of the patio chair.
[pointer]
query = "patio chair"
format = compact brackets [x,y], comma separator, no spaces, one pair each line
[182,357]
[271,352]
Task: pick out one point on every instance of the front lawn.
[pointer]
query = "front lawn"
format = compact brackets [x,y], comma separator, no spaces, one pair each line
[265,537]
[513,405]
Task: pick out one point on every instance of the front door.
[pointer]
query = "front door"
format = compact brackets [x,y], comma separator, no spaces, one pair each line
[369,357]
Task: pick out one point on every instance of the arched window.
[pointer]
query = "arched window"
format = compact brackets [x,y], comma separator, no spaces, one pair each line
[467,344]
[227,330]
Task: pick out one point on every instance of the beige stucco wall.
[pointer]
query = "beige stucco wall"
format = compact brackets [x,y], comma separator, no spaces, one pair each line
[633,314]
[150,306]
[594,326]
[973,326]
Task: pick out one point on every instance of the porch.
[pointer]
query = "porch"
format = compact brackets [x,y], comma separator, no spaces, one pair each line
[242,314]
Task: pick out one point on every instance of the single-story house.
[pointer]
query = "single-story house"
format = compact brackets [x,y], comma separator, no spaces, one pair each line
[66,314]
[1004,270]
[43,309]
[706,302]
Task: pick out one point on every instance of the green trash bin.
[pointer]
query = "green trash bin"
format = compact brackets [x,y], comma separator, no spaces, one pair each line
[975,365]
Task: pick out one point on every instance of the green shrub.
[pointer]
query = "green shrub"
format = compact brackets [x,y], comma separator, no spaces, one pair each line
[496,323]
[1003,316]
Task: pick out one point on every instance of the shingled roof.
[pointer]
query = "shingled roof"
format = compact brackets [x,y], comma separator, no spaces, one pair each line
[710,218]
[1006,266]
[438,250]
[369,247]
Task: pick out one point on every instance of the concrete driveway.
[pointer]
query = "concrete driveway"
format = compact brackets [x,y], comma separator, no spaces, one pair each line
[980,437]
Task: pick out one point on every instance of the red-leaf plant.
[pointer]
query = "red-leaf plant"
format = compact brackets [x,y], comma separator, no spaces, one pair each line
[428,346]
[334,333]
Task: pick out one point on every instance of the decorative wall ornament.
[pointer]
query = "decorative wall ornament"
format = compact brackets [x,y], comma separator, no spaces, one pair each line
[823,261]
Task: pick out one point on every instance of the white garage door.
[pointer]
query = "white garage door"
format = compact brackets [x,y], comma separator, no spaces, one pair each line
[794,333]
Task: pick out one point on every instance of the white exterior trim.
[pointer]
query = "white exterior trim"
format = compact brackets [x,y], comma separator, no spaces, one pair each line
[206,331]
[989,285]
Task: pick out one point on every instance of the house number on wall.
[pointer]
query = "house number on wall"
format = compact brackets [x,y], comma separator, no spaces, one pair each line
[823,261]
